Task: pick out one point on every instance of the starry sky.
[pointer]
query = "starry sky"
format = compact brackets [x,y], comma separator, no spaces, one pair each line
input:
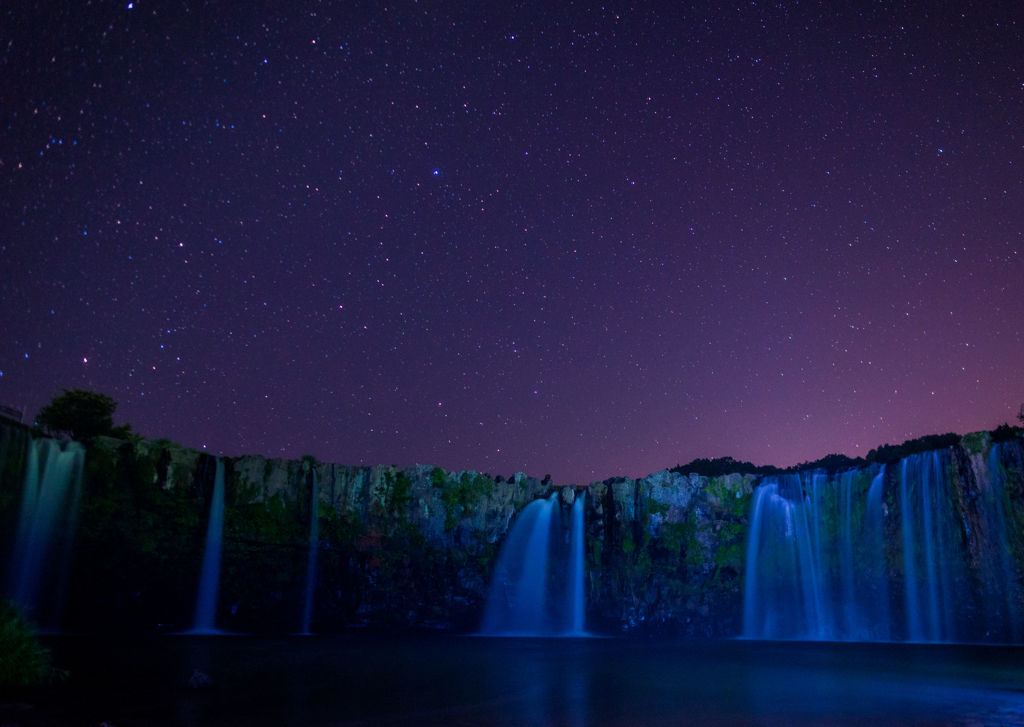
[568,239]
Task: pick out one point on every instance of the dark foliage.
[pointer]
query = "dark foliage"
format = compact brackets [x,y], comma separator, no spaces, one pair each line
[138,543]
[889,453]
[1005,432]
[830,463]
[23,660]
[78,414]
[728,465]
[723,466]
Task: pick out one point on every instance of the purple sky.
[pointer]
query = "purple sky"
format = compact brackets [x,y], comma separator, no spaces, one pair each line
[578,242]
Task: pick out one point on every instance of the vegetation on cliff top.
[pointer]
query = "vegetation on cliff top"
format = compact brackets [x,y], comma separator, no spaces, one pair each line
[723,466]
[461,495]
[81,415]
[885,454]
[889,453]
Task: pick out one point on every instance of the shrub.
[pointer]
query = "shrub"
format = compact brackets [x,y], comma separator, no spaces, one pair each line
[888,453]
[723,466]
[80,414]
[24,662]
[830,463]
[1006,432]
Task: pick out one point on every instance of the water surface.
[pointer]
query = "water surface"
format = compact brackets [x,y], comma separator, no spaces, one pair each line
[446,680]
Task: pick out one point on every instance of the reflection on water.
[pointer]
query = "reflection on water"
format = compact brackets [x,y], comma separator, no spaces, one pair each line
[338,680]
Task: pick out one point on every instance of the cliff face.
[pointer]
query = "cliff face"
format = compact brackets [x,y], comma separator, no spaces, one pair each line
[667,552]
[399,547]
[395,547]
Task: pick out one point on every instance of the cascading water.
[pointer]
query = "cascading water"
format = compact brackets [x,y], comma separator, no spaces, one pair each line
[926,558]
[49,508]
[874,581]
[518,602]
[209,580]
[577,601]
[314,544]
[934,570]
[1000,590]
[813,558]
[524,600]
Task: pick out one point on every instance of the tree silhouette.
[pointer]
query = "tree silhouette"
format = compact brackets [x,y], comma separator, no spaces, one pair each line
[78,414]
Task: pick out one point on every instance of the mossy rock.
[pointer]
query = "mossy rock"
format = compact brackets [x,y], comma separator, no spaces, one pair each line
[975,442]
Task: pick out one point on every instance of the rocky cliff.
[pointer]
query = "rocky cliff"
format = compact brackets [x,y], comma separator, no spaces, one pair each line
[400,547]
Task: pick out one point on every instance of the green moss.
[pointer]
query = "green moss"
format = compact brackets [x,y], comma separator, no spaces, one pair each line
[463,496]
[731,546]
[655,507]
[740,504]
[390,507]
[729,501]
[672,536]
[339,530]
[483,487]
[644,565]
[974,442]
[596,552]
[628,546]
[273,521]
[401,495]
[694,553]
[634,570]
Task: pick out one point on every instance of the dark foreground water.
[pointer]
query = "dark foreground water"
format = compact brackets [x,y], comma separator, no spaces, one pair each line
[448,680]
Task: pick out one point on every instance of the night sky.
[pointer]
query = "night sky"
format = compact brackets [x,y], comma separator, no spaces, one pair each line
[573,240]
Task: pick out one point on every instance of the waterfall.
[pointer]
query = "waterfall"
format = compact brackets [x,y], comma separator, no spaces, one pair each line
[999,586]
[779,595]
[209,580]
[576,606]
[926,557]
[314,544]
[932,564]
[518,602]
[49,508]
[915,631]
[815,567]
[523,599]
[874,583]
